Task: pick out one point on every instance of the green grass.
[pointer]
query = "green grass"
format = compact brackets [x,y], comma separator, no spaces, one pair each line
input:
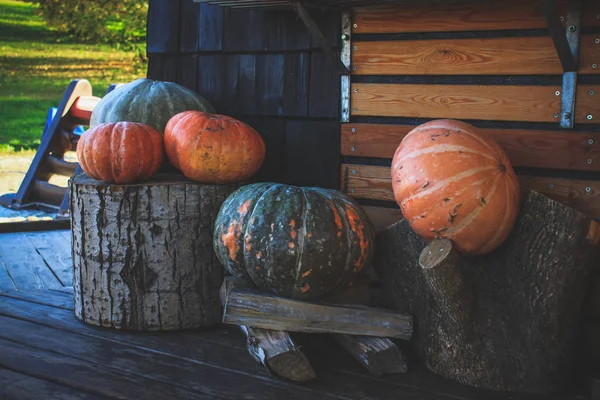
[37,64]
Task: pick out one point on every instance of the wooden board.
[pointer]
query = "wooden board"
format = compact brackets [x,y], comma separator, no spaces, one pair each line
[525,148]
[455,17]
[26,266]
[589,53]
[374,182]
[483,102]
[588,104]
[382,217]
[6,281]
[487,56]
[56,252]
[14,385]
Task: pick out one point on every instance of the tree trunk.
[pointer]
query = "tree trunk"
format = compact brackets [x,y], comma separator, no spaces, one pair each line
[143,253]
[504,321]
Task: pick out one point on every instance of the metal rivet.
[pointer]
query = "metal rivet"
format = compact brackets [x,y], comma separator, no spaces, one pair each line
[557,93]
[588,189]
[589,161]
[572,28]
[355,48]
[552,186]
[591,92]
[567,115]
[594,65]
[344,36]
[352,149]
[591,141]
[597,41]
[345,110]
[356,109]
[355,25]
[589,116]
[355,90]
[353,172]
[556,115]
[562,18]
[352,191]
[354,68]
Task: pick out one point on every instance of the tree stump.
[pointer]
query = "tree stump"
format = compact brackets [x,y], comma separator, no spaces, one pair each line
[143,255]
[505,321]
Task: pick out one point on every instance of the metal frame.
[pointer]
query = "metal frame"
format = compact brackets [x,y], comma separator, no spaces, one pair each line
[567,59]
[569,83]
[346,59]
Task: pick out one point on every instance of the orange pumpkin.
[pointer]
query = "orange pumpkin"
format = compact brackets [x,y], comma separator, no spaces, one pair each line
[213,148]
[451,181]
[121,152]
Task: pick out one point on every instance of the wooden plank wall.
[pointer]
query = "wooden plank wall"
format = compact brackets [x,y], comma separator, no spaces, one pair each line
[264,68]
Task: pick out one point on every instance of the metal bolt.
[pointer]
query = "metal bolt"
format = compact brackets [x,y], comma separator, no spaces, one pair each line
[589,117]
[588,189]
[556,115]
[353,130]
[597,41]
[567,115]
[352,191]
[355,26]
[353,172]
[589,161]
[591,92]
[344,36]
[352,149]
[355,90]
[562,18]
[552,186]
[572,28]
[356,109]
[594,65]
[557,93]
[345,110]
[591,141]
[354,68]
[355,48]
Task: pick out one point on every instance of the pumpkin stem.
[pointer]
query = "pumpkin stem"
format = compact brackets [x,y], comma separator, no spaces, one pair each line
[502,168]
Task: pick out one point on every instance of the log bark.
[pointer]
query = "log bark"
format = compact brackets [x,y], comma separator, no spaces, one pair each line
[262,310]
[275,350]
[142,253]
[378,355]
[505,321]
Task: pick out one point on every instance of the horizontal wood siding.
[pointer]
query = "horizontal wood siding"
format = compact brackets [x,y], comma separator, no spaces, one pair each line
[480,56]
[375,183]
[525,148]
[465,16]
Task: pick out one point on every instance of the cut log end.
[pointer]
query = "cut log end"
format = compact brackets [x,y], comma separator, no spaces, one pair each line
[292,365]
[378,355]
[435,253]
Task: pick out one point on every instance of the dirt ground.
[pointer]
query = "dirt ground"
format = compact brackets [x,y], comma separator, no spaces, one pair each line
[13,168]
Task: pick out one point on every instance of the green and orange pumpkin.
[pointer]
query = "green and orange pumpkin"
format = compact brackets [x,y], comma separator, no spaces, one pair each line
[451,181]
[296,242]
[121,152]
[212,148]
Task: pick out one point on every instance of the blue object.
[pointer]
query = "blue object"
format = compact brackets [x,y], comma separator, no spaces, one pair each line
[78,130]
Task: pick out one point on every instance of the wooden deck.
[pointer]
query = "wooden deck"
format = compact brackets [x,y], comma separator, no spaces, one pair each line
[46,353]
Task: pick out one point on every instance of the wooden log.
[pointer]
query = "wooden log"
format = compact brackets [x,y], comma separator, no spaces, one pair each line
[261,310]
[505,321]
[378,355]
[143,253]
[275,350]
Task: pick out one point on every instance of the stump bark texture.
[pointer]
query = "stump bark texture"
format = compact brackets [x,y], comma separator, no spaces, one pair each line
[505,321]
[142,253]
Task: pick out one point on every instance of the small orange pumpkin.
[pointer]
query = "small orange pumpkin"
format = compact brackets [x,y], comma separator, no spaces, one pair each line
[212,148]
[452,181]
[121,152]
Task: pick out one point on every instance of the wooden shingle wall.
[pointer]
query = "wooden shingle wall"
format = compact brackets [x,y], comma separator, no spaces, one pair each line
[264,68]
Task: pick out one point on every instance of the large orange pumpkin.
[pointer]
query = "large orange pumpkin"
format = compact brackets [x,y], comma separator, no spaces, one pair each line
[452,181]
[121,152]
[212,148]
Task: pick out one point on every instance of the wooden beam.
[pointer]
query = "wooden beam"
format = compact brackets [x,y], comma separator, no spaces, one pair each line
[483,102]
[374,182]
[378,355]
[524,147]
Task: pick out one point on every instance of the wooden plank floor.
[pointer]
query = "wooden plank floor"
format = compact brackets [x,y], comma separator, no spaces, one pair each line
[46,353]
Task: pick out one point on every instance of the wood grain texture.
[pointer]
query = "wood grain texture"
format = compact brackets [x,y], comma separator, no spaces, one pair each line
[6,281]
[524,147]
[56,252]
[382,217]
[454,17]
[491,102]
[14,385]
[588,104]
[589,52]
[378,355]
[261,310]
[162,34]
[374,182]
[24,264]
[485,56]
[143,253]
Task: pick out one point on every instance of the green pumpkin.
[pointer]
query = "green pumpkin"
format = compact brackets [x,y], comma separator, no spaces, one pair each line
[297,242]
[148,102]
